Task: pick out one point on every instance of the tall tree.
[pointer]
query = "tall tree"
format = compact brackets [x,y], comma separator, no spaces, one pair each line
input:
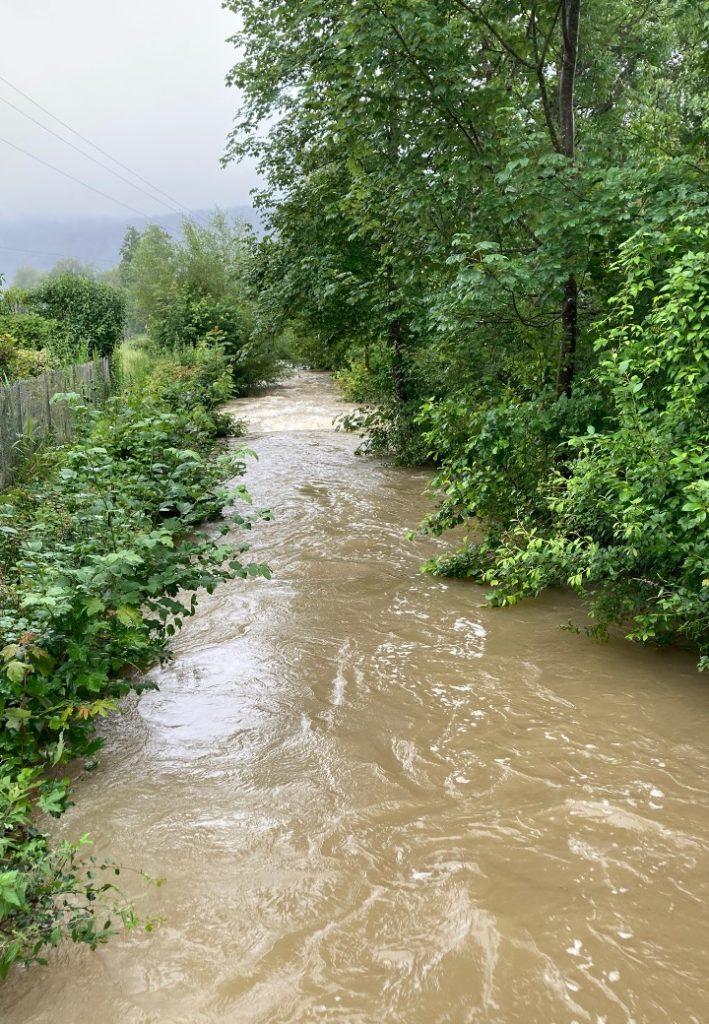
[127,251]
[452,182]
[484,173]
[570,18]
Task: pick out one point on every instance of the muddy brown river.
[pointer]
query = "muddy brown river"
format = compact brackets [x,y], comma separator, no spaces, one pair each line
[376,802]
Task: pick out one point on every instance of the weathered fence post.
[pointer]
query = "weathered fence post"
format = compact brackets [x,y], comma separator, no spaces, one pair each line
[29,403]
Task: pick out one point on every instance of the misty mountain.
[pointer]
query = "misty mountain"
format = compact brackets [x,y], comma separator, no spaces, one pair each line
[40,243]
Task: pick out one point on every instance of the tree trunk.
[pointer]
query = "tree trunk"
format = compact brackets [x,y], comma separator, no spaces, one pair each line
[395,338]
[570,18]
[396,345]
[569,337]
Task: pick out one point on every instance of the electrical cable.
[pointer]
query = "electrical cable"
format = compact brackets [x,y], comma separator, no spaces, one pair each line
[71,177]
[60,255]
[103,152]
[99,163]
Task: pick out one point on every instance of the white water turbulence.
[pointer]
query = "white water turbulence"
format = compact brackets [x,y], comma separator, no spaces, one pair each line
[376,801]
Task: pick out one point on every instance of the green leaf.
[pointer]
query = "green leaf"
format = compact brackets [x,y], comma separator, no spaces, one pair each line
[16,671]
[128,616]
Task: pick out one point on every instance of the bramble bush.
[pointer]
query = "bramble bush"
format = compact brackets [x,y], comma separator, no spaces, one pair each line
[49,892]
[101,563]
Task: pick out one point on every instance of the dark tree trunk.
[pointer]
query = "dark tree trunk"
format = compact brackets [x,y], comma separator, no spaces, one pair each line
[569,337]
[570,18]
[395,338]
[396,345]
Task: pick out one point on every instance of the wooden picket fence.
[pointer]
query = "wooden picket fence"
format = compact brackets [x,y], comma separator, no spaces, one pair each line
[27,412]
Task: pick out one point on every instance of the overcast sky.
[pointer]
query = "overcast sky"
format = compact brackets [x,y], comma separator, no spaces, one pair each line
[143,79]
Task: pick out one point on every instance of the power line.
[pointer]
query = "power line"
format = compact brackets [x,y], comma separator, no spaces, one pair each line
[99,163]
[71,177]
[59,255]
[94,146]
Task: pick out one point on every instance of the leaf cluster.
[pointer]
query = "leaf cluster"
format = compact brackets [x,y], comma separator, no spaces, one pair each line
[101,562]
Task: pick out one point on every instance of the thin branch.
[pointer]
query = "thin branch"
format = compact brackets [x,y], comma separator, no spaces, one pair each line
[504,43]
[539,68]
[470,134]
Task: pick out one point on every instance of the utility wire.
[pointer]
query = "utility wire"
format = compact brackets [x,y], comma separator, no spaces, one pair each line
[60,255]
[71,177]
[99,163]
[94,146]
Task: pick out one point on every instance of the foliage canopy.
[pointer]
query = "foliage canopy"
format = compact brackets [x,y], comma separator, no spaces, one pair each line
[478,211]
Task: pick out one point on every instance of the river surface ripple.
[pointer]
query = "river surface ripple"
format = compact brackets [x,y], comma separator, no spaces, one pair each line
[374,801]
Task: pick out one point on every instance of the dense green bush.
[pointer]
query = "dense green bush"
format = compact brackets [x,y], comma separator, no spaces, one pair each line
[29,343]
[93,314]
[366,375]
[31,330]
[17,363]
[101,563]
[192,377]
[614,504]
[195,292]
[185,319]
[495,462]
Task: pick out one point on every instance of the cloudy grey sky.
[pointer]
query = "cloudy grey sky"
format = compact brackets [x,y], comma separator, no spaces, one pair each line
[143,79]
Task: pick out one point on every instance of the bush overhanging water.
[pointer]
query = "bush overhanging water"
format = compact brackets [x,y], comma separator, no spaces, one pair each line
[101,564]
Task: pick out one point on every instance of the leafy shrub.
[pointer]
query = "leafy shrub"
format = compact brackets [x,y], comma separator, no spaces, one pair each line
[495,462]
[623,519]
[192,377]
[101,563]
[366,377]
[47,892]
[388,430]
[186,320]
[32,331]
[20,363]
[389,427]
[92,313]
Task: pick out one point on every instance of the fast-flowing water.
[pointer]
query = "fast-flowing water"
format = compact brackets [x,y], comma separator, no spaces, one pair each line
[374,801]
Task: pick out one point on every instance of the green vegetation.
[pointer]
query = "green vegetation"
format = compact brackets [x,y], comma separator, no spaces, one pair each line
[198,290]
[101,560]
[101,563]
[491,218]
[88,310]
[64,319]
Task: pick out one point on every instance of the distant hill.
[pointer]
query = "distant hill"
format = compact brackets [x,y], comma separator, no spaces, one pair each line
[40,243]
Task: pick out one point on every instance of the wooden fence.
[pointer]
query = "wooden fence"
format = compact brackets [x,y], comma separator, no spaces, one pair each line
[26,410]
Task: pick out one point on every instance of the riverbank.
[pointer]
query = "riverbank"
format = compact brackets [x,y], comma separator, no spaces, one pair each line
[373,799]
[100,566]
